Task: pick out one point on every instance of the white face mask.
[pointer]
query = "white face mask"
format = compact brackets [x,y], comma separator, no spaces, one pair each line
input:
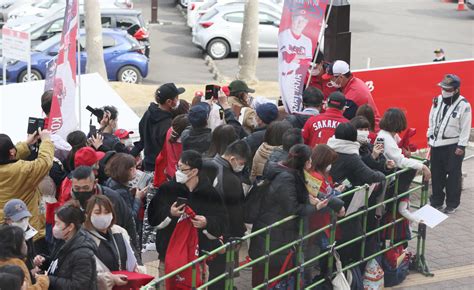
[22,224]
[101,221]
[176,106]
[333,84]
[446,94]
[362,136]
[329,168]
[58,233]
[128,143]
[181,177]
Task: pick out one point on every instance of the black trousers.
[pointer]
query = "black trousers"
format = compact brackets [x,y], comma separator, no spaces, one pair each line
[446,171]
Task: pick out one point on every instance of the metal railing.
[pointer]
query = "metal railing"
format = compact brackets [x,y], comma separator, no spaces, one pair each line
[231,254]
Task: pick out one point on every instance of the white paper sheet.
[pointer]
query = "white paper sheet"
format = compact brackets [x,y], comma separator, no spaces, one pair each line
[358,200]
[430,216]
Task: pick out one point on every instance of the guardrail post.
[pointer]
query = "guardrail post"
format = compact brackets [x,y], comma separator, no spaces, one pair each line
[420,262]
[229,264]
[364,223]
[299,257]
[194,278]
[267,260]
[394,210]
[332,239]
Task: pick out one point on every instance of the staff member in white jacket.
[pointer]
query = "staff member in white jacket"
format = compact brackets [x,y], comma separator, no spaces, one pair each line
[448,136]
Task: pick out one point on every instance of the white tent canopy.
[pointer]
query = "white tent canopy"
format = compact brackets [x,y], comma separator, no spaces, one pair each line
[20,101]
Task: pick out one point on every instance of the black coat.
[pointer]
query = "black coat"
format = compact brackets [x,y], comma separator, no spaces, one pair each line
[152,128]
[365,152]
[132,203]
[229,186]
[255,139]
[352,168]
[76,267]
[287,196]
[196,139]
[204,200]
[298,120]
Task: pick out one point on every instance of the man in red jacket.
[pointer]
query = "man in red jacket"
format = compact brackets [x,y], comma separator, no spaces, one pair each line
[355,90]
[316,74]
[318,129]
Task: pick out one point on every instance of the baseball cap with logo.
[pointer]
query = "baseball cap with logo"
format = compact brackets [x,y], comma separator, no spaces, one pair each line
[337,100]
[122,133]
[16,210]
[450,81]
[87,156]
[168,91]
[339,67]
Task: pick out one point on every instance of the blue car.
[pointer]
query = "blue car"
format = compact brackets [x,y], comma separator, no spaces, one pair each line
[124,58]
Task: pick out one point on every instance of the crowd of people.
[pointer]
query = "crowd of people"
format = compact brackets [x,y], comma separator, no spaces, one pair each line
[74,217]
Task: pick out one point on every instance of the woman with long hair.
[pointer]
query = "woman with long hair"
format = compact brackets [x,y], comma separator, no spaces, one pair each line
[222,136]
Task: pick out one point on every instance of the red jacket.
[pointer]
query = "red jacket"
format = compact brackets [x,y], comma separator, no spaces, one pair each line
[320,83]
[357,92]
[64,194]
[166,161]
[318,129]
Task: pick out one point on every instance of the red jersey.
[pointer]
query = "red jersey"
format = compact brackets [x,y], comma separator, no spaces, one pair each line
[321,84]
[358,92]
[318,129]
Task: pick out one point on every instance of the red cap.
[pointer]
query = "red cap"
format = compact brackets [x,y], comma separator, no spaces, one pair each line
[87,156]
[226,90]
[122,133]
[198,94]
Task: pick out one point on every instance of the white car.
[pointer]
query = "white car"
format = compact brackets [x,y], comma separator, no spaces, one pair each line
[7,6]
[218,32]
[193,6]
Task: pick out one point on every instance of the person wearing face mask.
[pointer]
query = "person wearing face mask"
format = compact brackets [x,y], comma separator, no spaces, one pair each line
[126,143]
[13,251]
[20,178]
[196,191]
[17,214]
[113,243]
[439,55]
[286,196]
[266,114]
[198,137]
[356,91]
[371,154]
[84,186]
[448,135]
[318,129]
[316,72]
[155,123]
[72,264]
[241,105]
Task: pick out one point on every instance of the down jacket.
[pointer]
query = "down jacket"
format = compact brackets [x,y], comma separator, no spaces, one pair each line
[73,264]
[286,196]
[260,159]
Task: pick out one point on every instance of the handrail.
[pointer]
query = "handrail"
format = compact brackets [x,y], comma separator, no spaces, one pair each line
[230,253]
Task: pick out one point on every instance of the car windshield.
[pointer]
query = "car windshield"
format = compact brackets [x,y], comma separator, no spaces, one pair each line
[48,43]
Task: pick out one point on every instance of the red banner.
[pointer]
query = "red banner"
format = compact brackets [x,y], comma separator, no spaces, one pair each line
[413,87]
[61,77]
[300,26]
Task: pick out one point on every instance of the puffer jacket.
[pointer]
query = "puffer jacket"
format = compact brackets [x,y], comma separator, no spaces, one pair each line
[20,179]
[198,139]
[260,159]
[286,196]
[73,264]
[42,282]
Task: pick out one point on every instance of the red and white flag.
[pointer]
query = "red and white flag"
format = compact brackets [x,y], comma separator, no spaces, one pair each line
[61,77]
[300,26]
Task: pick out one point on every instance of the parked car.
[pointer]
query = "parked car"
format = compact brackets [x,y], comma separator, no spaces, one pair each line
[41,28]
[219,30]
[470,4]
[182,3]
[124,58]
[6,6]
[193,6]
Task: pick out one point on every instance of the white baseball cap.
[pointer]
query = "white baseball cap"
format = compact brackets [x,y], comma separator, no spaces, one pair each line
[339,67]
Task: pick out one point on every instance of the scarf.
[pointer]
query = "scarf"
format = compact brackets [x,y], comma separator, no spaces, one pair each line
[344,146]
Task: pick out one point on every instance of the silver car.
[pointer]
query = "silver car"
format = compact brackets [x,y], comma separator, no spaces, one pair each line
[218,31]
[7,6]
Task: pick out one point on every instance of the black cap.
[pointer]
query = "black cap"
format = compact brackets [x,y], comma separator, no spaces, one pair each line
[168,91]
[337,100]
[450,81]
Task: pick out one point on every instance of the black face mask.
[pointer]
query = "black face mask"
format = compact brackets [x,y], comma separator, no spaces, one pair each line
[82,197]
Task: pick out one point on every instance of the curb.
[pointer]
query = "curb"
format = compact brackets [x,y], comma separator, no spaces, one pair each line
[182,11]
[213,69]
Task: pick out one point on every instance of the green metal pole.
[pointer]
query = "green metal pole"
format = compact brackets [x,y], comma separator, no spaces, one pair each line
[300,252]
[394,210]
[267,252]
[194,278]
[364,224]
[332,238]
[227,263]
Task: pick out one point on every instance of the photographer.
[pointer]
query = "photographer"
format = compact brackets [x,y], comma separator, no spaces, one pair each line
[104,139]
[20,178]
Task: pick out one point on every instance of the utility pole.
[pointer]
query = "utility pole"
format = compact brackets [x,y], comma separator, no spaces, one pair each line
[154,11]
[94,48]
[248,54]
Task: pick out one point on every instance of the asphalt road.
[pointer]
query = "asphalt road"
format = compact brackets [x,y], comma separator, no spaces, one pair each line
[390,32]
[173,57]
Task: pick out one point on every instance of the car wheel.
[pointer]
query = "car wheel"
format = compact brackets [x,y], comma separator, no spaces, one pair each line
[218,48]
[130,74]
[183,3]
[35,76]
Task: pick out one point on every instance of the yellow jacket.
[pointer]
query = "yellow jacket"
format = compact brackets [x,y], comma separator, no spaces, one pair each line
[21,178]
[42,281]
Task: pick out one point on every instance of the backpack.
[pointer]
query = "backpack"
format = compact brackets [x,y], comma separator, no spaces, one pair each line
[253,201]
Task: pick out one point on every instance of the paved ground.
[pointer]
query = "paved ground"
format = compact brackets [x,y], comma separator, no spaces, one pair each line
[392,32]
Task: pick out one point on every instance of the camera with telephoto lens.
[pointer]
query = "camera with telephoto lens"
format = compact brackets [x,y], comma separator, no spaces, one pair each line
[99,113]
